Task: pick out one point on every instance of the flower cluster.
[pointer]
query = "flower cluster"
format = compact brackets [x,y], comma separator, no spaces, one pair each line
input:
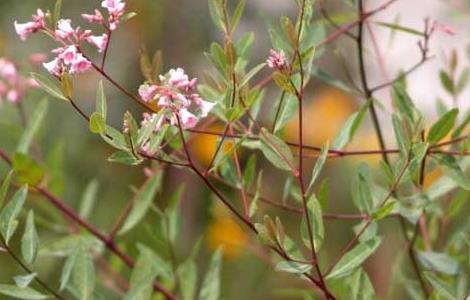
[176,94]
[13,86]
[69,58]
[115,8]
[277,60]
[24,30]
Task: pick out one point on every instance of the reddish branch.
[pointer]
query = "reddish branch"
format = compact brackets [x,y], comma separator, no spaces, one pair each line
[105,239]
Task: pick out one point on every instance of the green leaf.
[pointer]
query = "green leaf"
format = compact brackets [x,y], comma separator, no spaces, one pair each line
[88,199]
[400,136]
[447,82]
[32,128]
[23,281]
[316,219]
[49,86]
[125,158]
[210,289]
[187,273]
[21,293]
[384,211]
[68,268]
[288,108]
[362,195]
[27,169]
[439,262]
[458,131]
[276,151]
[5,186]
[441,287]
[57,11]
[443,126]
[396,27]
[403,102]
[249,172]
[63,246]
[354,258]
[254,202]
[101,104]
[143,201]
[453,170]
[284,83]
[318,167]
[66,84]
[97,123]
[350,127]
[293,267]
[329,79]
[251,74]
[30,240]
[237,14]
[361,287]
[9,214]
[83,274]
[216,12]
[142,277]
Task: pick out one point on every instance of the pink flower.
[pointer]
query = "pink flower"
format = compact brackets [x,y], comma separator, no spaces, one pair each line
[69,54]
[8,70]
[99,41]
[96,18]
[149,118]
[179,79]
[205,107]
[13,96]
[54,67]
[444,28]
[37,58]
[64,28]
[188,120]
[80,64]
[277,60]
[147,92]
[113,6]
[24,30]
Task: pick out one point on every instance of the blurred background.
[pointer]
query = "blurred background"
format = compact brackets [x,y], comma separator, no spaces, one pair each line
[182,29]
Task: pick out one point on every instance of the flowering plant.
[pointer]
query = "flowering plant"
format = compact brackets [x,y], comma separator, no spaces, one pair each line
[176,110]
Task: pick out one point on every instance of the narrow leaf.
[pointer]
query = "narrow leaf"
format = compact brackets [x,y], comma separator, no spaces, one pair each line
[354,258]
[32,128]
[441,287]
[318,167]
[5,186]
[143,201]
[49,86]
[276,151]
[83,274]
[293,267]
[30,240]
[443,126]
[23,281]
[350,127]
[210,289]
[101,105]
[9,214]
[89,198]
[21,293]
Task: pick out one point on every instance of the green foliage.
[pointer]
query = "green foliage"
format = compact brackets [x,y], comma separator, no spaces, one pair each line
[354,258]
[10,213]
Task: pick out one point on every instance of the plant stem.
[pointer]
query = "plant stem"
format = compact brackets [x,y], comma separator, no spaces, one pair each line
[28,270]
